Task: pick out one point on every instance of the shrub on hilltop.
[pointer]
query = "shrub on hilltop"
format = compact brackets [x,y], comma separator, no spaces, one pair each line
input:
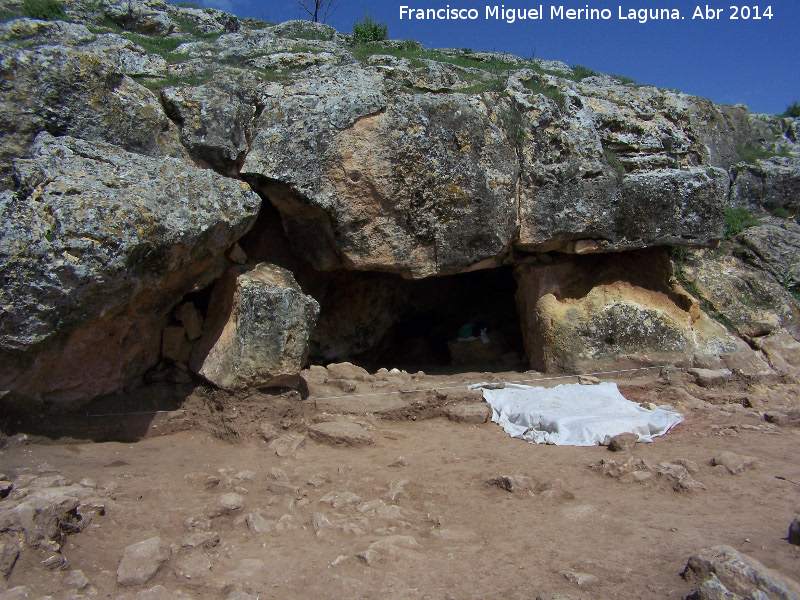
[369,30]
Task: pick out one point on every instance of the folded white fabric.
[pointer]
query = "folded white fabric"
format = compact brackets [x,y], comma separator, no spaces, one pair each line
[574,415]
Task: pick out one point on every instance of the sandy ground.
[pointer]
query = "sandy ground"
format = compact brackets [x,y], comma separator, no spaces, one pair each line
[410,514]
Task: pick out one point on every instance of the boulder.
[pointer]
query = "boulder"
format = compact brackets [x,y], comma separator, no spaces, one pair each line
[601,214]
[419,186]
[141,561]
[723,130]
[738,574]
[143,16]
[257,329]
[609,312]
[394,167]
[773,246]
[782,351]
[44,519]
[768,183]
[215,125]
[93,264]
[205,20]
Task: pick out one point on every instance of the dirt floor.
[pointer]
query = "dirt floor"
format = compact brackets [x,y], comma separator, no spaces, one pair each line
[400,507]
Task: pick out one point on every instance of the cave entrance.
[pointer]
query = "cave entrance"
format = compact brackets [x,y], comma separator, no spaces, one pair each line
[381,320]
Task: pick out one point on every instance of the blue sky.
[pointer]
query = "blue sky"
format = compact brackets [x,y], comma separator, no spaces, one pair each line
[748,61]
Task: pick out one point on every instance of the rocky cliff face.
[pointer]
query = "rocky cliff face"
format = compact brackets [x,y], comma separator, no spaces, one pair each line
[140,140]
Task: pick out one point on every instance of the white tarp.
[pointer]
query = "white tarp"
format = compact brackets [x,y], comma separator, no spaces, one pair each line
[574,415]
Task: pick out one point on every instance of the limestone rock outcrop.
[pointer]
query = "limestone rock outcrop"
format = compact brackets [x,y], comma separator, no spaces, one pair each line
[139,141]
[257,329]
[98,246]
[752,301]
[69,81]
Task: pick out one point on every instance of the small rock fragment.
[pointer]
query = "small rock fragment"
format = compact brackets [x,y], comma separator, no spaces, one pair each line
[318,480]
[282,487]
[257,524]
[340,499]
[204,539]
[369,557]
[77,580]
[285,523]
[582,580]
[623,442]
[637,476]
[710,377]
[388,546]
[192,568]
[245,475]
[346,370]
[191,319]
[286,445]
[672,471]
[202,523]
[340,433]
[344,384]
[588,380]
[20,592]
[320,522]
[689,465]
[277,474]
[5,488]
[9,554]
[231,502]
[688,485]
[475,413]
[511,483]
[55,562]
[236,254]
[400,461]
[268,431]
[794,531]
[203,480]
[339,560]
[735,463]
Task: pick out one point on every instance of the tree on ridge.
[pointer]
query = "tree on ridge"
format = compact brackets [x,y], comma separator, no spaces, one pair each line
[318,8]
